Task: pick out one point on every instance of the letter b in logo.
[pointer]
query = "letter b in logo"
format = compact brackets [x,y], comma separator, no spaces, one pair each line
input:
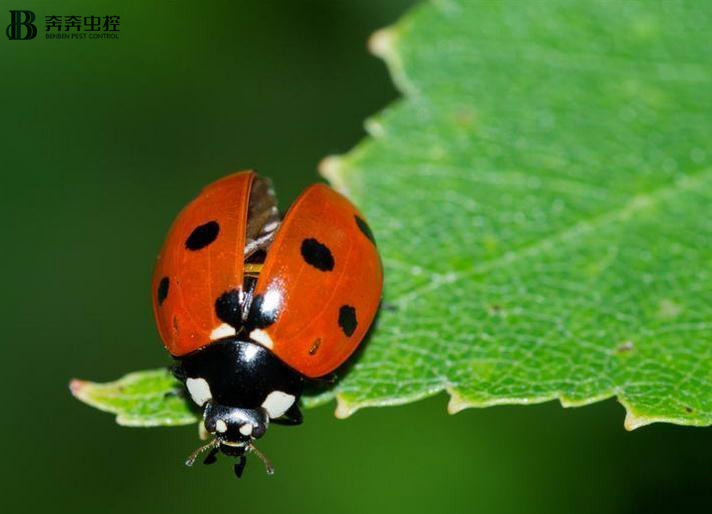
[14,30]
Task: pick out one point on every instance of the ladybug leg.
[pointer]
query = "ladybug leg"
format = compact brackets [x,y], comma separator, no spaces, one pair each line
[191,458]
[268,464]
[212,457]
[179,373]
[293,416]
[240,466]
[174,392]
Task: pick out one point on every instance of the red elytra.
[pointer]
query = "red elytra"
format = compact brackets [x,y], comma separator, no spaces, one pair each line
[318,286]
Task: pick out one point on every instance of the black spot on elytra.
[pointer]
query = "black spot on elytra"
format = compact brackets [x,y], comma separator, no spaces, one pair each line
[162,292]
[363,227]
[228,308]
[259,317]
[202,236]
[317,255]
[347,320]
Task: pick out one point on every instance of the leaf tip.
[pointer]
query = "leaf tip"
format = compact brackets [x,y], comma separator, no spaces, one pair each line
[633,420]
[331,168]
[384,44]
[344,409]
[381,44]
[76,387]
[374,127]
[457,403]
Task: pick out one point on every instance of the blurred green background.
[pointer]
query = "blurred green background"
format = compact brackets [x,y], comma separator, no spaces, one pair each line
[102,143]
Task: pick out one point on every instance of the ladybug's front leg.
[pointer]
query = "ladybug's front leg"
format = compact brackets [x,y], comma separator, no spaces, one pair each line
[212,457]
[178,372]
[293,416]
[239,467]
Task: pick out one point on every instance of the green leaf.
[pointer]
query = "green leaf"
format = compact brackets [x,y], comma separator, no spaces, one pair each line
[541,198]
[139,399]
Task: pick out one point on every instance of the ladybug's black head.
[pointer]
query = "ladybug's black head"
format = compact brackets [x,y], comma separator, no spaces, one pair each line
[235,425]
[233,430]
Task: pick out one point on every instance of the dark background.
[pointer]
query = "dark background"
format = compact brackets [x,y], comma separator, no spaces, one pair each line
[102,143]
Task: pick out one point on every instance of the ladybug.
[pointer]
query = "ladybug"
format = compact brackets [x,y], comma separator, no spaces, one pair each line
[253,307]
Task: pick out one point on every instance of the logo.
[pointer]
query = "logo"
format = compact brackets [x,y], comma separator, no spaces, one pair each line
[14,30]
[64,27]
[82,27]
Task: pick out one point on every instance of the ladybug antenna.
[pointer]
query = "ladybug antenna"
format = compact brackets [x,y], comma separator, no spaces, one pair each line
[211,445]
[268,464]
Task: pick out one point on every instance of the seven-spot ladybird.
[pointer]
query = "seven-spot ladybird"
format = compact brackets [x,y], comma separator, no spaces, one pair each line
[253,307]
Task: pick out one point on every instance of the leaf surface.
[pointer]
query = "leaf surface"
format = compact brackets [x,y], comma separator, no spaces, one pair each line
[140,399]
[541,198]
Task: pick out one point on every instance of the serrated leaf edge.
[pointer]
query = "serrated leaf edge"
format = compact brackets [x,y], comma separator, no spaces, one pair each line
[335,169]
[459,402]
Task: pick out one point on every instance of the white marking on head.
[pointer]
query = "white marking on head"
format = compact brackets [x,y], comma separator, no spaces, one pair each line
[246,429]
[220,426]
[199,390]
[221,331]
[277,403]
[262,337]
